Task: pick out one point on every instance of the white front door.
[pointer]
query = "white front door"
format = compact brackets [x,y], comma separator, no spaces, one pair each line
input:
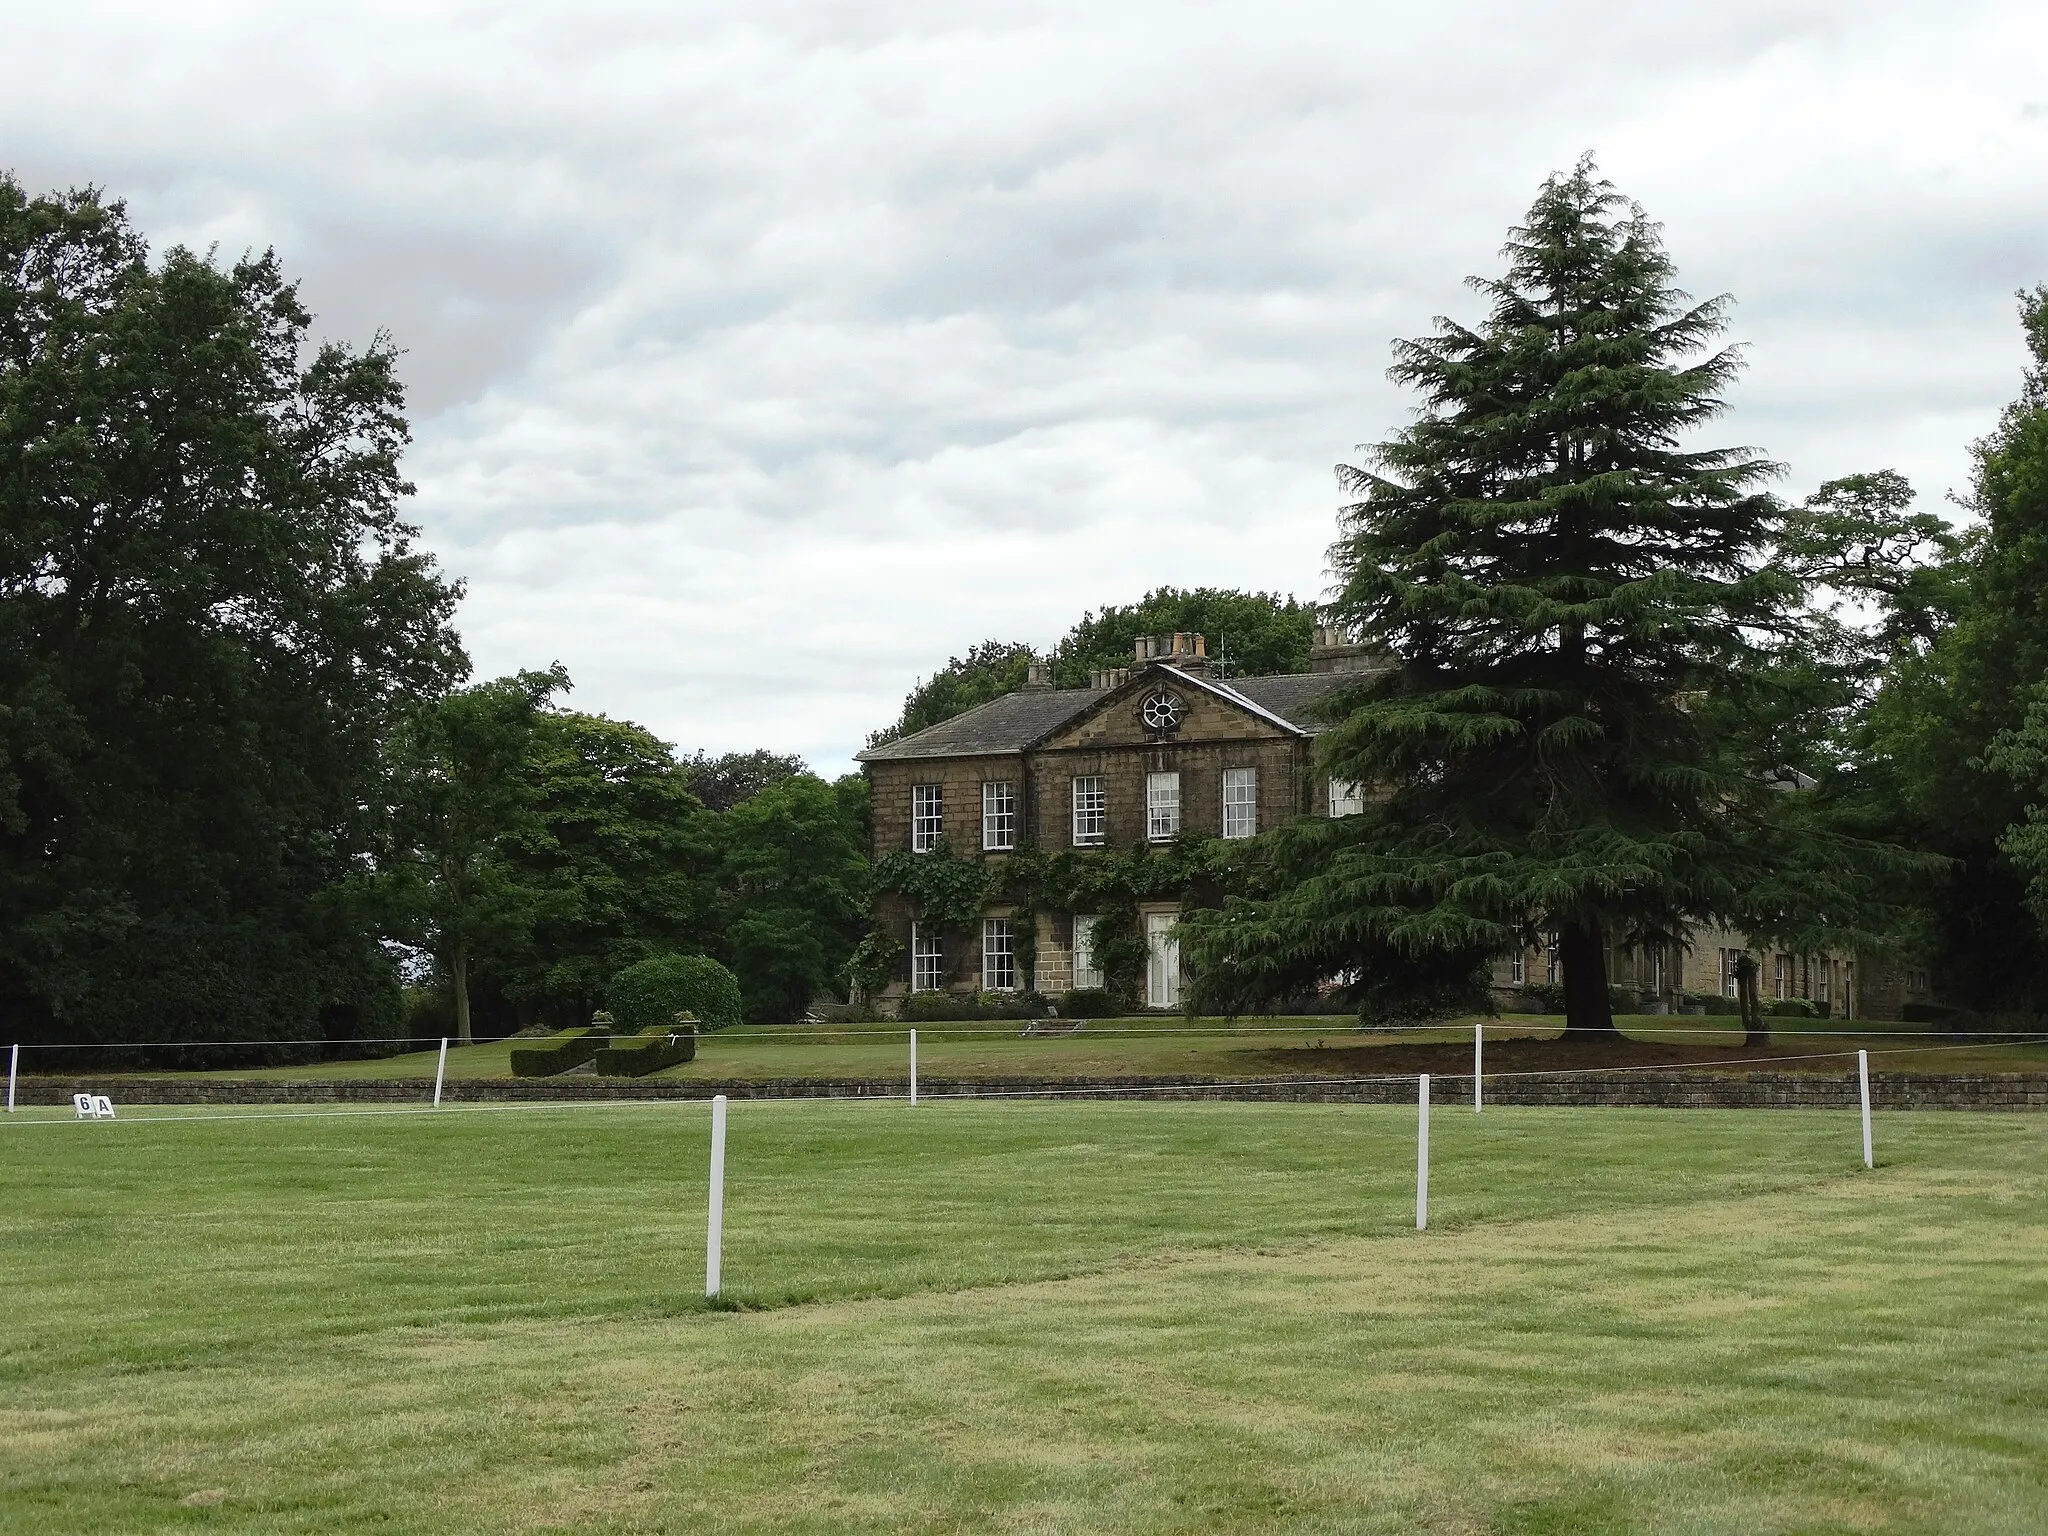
[1162,976]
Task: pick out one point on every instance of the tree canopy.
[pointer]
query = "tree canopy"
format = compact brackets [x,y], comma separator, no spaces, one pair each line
[617,858]
[793,891]
[1567,585]
[211,612]
[1250,634]
[722,782]
[988,671]
[1945,751]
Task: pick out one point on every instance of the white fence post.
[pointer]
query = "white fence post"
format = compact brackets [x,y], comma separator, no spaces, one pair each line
[1863,1083]
[1422,1154]
[440,1071]
[913,1069]
[13,1061]
[1478,1054]
[714,1224]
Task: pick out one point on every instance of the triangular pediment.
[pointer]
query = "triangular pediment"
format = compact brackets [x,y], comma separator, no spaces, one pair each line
[1135,714]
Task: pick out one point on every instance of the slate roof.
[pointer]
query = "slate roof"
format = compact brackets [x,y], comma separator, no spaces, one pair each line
[1018,721]
[1008,724]
[1288,694]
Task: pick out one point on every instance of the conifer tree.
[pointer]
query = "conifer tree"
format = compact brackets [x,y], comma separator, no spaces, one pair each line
[1562,577]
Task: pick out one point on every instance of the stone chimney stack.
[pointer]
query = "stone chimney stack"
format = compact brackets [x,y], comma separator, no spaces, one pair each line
[1333,650]
[1038,677]
[1107,678]
[1189,652]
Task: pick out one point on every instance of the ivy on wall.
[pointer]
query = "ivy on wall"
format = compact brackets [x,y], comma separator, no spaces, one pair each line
[951,892]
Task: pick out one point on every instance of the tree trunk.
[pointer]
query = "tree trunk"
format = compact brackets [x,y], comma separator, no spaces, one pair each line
[1753,1031]
[458,968]
[1588,1011]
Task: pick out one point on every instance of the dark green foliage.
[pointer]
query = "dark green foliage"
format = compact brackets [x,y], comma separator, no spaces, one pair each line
[559,1052]
[457,801]
[1792,1008]
[954,1007]
[649,995]
[1712,1003]
[1946,756]
[2020,753]
[1250,634]
[988,671]
[210,610]
[947,891]
[1564,584]
[875,962]
[618,858]
[792,891]
[951,892]
[1088,1003]
[1928,1013]
[649,1051]
[723,782]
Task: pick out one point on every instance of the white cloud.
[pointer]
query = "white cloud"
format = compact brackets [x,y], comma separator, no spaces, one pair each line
[766,356]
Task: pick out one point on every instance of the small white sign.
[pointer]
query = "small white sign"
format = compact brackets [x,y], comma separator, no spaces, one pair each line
[93,1106]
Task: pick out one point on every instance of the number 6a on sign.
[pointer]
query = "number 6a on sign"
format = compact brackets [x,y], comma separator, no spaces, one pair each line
[92,1106]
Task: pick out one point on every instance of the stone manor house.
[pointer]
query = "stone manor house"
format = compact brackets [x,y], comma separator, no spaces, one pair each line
[1166,745]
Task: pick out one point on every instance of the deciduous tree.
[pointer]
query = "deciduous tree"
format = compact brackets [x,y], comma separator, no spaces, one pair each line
[210,612]
[459,799]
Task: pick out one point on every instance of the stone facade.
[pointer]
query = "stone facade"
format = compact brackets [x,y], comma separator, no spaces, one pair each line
[1040,741]
[1839,984]
[1165,719]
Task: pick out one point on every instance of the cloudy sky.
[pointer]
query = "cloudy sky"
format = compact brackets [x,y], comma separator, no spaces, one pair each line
[761,356]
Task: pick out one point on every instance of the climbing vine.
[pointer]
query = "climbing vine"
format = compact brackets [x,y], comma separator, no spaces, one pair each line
[947,890]
[951,892]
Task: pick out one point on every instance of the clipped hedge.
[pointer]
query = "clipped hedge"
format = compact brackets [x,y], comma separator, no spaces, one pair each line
[1088,1003]
[650,994]
[1712,1002]
[559,1052]
[1927,1013]
[649,1051]
[1792,1008]
[948,1007]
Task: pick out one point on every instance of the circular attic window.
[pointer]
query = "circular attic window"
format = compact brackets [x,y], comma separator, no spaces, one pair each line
[1162,711]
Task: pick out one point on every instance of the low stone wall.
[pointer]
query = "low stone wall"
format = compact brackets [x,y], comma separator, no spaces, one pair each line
[1661,1089]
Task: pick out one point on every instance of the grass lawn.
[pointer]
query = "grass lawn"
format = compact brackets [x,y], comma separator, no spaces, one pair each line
[1025,1317]
[1213,1048]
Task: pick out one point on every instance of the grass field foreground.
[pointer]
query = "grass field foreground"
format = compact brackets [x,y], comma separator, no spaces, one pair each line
[1026,1317]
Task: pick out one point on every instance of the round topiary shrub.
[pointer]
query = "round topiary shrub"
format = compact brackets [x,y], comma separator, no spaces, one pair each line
[650,995]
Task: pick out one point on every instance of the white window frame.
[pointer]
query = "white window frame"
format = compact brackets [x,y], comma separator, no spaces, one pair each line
[1240,802]
[998,814]
[1518,969]
[1347,798]
[1162,807]
[1553,967]
[927,816]
[1087,969]
[998,955]
[1091,811]
[1162,968]
[927,958]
